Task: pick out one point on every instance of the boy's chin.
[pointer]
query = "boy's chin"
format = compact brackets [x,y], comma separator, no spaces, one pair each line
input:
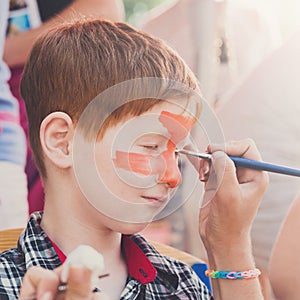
[132,228]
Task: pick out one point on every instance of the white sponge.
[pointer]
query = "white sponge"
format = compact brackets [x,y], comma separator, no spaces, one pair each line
[84,256]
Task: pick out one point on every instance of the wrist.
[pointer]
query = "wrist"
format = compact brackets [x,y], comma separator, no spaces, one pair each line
[237,257]
[224,242]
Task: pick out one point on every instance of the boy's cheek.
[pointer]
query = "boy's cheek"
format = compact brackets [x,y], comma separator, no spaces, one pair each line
[136,170]
[143,170]
[135,180]
[134,162]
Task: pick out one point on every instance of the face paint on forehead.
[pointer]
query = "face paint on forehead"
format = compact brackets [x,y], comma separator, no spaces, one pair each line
[178,126]
[136,128]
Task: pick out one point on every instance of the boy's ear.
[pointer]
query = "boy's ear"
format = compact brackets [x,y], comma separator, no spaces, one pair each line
[56,135]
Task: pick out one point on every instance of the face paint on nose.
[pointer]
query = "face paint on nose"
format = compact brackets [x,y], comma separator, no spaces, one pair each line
[164,165]
[170,173]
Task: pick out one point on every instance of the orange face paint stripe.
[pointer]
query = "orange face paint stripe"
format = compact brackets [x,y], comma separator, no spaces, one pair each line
[135,162]
[151,165]
[179,127]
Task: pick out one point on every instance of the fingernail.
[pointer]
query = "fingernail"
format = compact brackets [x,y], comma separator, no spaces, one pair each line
[208,149]
[204,170]
[46,296]
[203,174]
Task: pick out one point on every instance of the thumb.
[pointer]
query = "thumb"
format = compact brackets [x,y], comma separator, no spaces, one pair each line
[224,169]
[79,283]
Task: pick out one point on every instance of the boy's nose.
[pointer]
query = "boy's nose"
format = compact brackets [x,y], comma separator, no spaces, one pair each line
[170,173]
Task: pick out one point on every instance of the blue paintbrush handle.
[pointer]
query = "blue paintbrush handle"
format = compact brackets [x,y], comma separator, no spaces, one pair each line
[248,163]
[263,166]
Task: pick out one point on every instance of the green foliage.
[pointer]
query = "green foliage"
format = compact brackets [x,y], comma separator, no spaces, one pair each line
[136,8]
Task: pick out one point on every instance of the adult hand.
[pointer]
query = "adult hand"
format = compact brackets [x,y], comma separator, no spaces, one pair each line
[42,284]
[231,197]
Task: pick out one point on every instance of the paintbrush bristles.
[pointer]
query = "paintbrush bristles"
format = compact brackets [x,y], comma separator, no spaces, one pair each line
[196,154]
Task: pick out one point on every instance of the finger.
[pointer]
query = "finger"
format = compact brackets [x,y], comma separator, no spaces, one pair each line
[257,186]
[195,161]
[79,283]
[204,169]
[243,148]
[59,270]
[224,169]
[247,148]
[222,178]
[253,183]
[202,166]
[40,282]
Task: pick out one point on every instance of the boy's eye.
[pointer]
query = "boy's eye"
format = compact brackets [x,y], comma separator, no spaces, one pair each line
[150,147]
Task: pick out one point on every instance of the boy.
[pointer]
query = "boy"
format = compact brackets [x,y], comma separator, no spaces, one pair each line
[127,154]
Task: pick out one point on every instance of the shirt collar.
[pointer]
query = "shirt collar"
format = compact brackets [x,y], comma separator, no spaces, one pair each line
[36,246]
[138,265]
[166,270]
[145,264]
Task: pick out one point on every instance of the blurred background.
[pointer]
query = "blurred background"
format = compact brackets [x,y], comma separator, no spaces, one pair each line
[245,55]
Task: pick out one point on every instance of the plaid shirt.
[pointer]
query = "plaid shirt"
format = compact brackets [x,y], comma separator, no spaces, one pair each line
[172,279]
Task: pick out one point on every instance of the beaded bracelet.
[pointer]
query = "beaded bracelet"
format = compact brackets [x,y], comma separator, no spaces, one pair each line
[250,274]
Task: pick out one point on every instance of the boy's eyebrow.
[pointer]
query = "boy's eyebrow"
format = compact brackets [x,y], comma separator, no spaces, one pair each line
[161,136]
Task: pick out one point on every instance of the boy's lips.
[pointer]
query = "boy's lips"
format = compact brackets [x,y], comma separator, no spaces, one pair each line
[156,199]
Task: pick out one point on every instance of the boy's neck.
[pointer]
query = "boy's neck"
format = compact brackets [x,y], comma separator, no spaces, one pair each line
[70,221]
[68,232]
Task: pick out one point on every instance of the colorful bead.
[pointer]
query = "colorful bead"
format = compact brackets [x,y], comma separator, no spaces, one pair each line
[233,275]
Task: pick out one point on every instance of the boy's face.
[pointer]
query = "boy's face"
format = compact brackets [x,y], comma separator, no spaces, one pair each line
[136,159]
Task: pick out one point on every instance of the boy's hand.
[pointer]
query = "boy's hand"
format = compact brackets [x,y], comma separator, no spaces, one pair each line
[43,284]
[231,198]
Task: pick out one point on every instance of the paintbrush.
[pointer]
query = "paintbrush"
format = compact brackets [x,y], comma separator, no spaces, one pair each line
[248,163]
